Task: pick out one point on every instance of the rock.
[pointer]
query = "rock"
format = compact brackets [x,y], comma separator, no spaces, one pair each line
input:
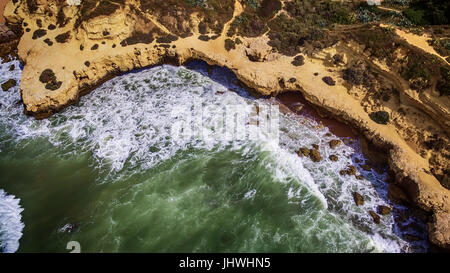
[47,75]
[359,200]
[359,177]
[329,80]
[315,156]
[315,146]
[12,67]
[366,167]
[8,84]
[384,210]
[334,143]
[380,117]
[375,217]
[333,158]
[48,42]
[351,170]
[53,85]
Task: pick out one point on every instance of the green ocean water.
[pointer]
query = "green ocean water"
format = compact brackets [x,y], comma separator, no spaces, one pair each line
[108,174]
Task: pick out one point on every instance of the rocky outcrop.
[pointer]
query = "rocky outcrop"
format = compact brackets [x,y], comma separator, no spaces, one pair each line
[98,42]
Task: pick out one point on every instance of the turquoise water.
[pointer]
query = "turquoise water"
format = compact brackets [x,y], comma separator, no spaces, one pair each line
[109,174]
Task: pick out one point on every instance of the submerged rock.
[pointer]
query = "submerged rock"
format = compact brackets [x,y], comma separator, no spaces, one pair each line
[334,143]
[333,158]
[303,151]
[380,117]
[351,170]
[384,210]
[315,156]
[8,84]
[359,200]
[375,216]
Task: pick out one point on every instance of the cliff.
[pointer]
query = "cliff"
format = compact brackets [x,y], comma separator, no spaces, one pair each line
[364,74]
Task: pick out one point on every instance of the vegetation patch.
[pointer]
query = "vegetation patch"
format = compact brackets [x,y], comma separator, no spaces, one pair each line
[380,117]
[166,39]
[329,80]
[139,37]
[63,38]
[48,42]
[229,44]
[298,60]
[39,33]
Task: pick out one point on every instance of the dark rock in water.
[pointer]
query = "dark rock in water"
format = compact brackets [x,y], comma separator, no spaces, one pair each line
[380,117]
[384,210]
[48,42]
[338,59]
[8,84]
[351,170]
[298,60]
[303,151]
[12,67]
[359,200]
[329,80]
[334,143]
[333,158]
[375,217]
[315,156]
[315,146]
[366,167]
[359,177]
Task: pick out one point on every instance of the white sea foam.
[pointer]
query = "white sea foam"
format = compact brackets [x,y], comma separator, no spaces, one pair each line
[11,225]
